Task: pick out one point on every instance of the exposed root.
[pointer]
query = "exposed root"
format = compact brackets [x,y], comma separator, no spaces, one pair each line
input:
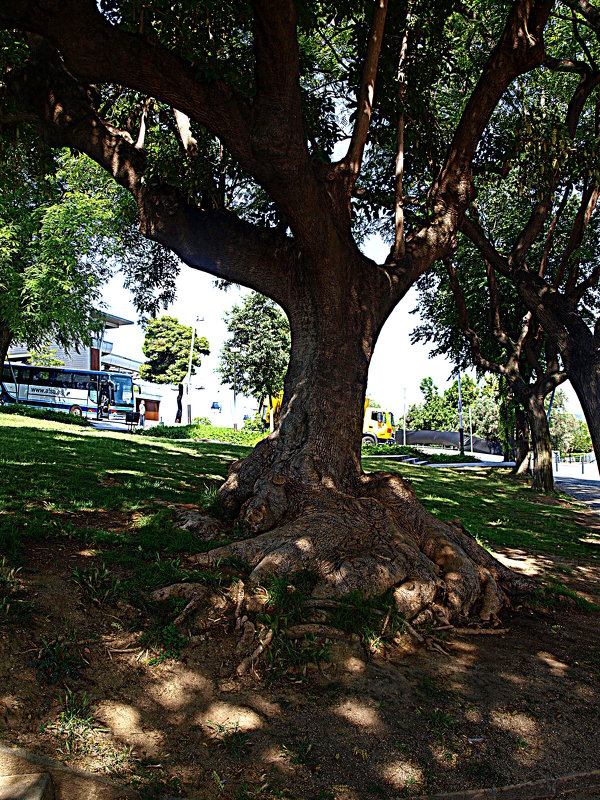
[414,633]
[377,539]
[191,606]
[250,660]
[248,632]
[179,591]
[480,631]
[321,631]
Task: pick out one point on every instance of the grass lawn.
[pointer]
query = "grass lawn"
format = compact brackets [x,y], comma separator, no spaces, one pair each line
[65,479]
[96,671]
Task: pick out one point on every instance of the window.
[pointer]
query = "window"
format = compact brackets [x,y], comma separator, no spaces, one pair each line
[40,377]
[23,374]
[61,380]
[123,390]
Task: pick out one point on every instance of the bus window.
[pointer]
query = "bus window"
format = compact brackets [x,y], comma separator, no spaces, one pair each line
[23,375]
[61,380]
[40,377]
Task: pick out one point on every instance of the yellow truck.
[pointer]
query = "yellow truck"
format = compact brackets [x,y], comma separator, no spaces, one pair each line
[378,426]
[270,408]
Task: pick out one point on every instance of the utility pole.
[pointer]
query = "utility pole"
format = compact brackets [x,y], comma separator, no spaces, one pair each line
[461,430]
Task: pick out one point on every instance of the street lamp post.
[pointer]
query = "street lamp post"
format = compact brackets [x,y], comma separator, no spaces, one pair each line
[188,377]
[461,430]
[234,351]
[404,437]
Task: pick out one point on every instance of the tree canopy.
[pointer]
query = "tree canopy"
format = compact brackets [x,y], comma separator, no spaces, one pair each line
[167,347]
[254,359]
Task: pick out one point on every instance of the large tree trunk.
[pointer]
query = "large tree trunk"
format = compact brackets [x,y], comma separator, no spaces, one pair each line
[543,479]
[584,374]
[522,442]
[305,500]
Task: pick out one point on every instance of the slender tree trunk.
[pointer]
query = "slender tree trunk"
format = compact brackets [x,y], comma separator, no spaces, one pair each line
[5,340]
[522,442]
[543,478]
[579,349]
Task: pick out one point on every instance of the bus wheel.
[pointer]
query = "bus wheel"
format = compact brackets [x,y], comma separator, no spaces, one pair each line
[369,441]
[76,411]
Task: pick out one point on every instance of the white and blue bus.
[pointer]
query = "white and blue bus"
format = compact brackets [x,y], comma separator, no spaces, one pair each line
[84,393]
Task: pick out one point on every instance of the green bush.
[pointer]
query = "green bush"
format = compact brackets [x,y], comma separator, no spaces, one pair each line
[44,413]
[197,432]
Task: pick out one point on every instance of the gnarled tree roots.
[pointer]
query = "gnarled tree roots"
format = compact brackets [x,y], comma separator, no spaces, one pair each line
[376,538]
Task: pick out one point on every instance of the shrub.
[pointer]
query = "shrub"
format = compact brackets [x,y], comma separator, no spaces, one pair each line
[44,413]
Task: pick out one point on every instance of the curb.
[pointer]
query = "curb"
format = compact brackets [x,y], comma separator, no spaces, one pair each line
[533,790]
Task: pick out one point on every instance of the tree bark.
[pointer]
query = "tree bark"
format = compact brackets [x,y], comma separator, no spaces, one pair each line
[584,374]
[522,442]
[543,479]
[5,340]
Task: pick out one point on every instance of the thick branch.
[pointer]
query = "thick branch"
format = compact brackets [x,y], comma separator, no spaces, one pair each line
[552,228]
[495,321]
[399,167]
[216,242]
[582,219]
[587,11]
[519,50]
[531,231]
[97,52]
[470,333]
[473,231]
[353,158]
[190,145]
[277,135]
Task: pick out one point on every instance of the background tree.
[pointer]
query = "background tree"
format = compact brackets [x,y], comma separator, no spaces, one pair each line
[261,333]
[64,229]
[473,317]
[222,125]
[46,356]
[549,251]
[568,434]
[167,346]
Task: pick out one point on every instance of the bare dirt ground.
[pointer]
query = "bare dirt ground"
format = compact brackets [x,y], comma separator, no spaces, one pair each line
[401,722]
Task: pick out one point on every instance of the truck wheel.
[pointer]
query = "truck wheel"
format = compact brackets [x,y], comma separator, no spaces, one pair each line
[76,411]
[369,440]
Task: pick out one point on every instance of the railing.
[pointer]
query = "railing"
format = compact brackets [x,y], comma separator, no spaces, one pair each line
[585,458]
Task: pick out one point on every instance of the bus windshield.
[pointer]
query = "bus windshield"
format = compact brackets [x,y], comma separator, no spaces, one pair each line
[123,390]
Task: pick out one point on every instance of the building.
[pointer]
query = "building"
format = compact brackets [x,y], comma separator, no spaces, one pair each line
[96,356]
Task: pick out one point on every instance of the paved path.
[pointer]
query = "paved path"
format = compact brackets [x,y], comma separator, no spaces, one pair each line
[586,491]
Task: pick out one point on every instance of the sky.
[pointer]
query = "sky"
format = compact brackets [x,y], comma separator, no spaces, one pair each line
[396,366]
